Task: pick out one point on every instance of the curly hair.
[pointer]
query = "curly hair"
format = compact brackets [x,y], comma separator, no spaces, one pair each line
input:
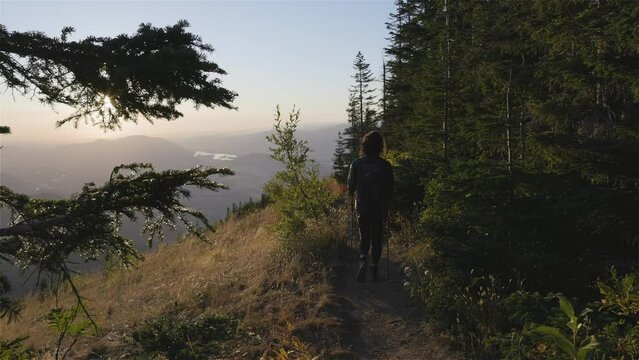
[373,144]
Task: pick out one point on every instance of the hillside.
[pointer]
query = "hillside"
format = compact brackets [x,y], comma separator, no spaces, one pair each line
[239,273]
[279,302]
[59,171]
[509,206]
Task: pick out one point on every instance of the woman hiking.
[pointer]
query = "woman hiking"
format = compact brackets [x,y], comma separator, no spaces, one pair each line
[370,178]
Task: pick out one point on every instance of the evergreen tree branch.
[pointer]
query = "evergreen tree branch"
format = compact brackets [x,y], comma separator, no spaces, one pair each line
[147,74]
[88,222]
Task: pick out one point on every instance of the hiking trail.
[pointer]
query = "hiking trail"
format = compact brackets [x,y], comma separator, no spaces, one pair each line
[383,324]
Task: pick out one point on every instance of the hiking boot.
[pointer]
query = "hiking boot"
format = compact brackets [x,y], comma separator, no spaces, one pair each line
[361,273]
[375,273]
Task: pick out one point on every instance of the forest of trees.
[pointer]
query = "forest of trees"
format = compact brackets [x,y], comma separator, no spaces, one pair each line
[514,130]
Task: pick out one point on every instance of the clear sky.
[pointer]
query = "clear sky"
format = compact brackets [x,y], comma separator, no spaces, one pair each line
[275,52]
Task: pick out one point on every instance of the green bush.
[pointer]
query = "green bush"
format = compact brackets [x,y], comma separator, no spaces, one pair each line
[499,239]
[176,336]
[578,344]
[242,209]
[617,319]
[483,315]
[299,196]
[15,350]
[605,329]
[491,319]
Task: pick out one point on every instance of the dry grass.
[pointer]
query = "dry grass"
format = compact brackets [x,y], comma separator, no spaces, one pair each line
[240,272]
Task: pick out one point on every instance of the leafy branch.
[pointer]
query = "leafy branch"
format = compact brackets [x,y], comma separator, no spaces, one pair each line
[146,74]
[573,346]
[44,233]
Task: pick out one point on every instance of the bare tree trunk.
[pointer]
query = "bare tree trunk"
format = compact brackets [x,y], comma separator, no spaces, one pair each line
[522,135]
[384,120]
[361,103]
[508,126]
[599,43]
[447,91]
[600,87]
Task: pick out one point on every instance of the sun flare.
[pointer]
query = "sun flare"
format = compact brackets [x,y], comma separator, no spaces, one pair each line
[107,103]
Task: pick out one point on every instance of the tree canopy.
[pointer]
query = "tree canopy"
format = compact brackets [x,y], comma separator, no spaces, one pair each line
[146,74]
[107,81]
[514,131]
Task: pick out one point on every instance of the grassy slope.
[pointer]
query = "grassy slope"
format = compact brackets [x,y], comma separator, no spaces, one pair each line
[240,272]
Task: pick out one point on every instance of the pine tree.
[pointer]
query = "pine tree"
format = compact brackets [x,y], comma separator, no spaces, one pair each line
[340,162]
[363,95]
[416,94]
[361,110]
[537,162]
[147,74]
[535,97]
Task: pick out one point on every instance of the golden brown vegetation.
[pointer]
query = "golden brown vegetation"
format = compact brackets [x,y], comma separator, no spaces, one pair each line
[282,301]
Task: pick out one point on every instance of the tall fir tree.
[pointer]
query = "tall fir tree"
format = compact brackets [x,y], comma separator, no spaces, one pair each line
[531,94]
[340,160]
[541,164]
[362,112]
[363,94]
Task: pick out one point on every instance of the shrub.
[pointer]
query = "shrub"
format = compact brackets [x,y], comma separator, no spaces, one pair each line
[617,320]
[15,350]
[242,209]
[577,344]
[300,197]
[176,336]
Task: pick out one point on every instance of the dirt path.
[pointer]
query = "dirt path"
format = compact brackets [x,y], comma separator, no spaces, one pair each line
[385,325]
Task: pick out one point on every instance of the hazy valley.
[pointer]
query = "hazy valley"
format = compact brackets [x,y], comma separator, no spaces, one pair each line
[57,172]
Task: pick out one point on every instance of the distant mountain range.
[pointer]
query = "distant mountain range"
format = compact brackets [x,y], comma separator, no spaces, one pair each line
[60,171]
[321,140]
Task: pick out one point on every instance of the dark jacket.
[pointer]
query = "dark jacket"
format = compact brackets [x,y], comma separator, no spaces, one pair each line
[386,181]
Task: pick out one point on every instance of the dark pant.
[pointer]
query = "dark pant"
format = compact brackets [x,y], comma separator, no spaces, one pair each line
[370,234]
